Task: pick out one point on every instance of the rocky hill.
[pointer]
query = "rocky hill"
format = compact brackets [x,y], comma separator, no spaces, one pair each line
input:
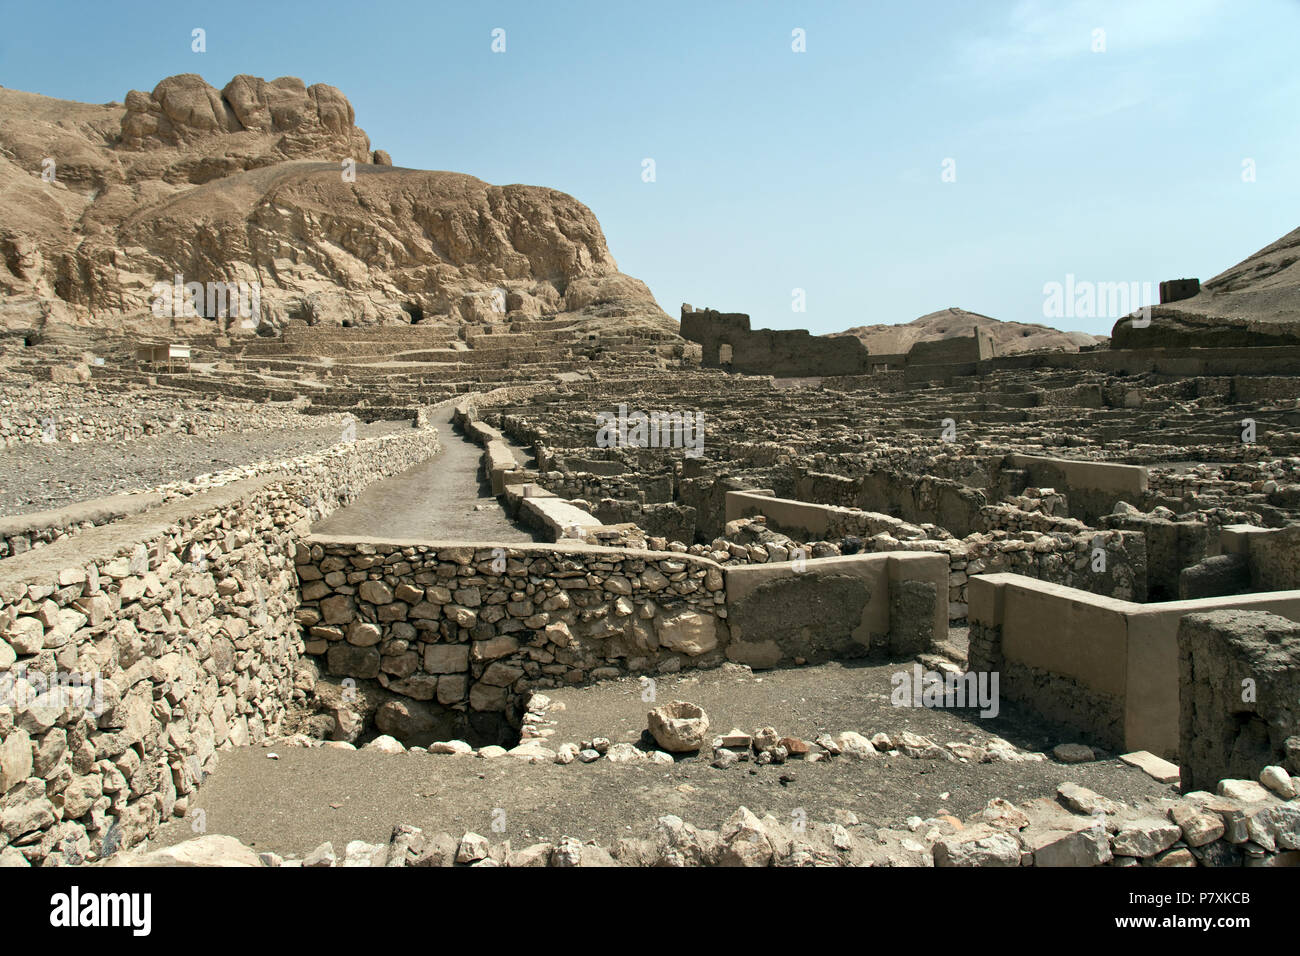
[1008,337]
[1255,302]
[249,183]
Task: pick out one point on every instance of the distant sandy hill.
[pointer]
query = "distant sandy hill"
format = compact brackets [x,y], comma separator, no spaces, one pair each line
[273,183]
[1008,337]
[1255,302]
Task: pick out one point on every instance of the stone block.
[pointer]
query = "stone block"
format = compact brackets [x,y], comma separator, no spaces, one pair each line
[1239,694]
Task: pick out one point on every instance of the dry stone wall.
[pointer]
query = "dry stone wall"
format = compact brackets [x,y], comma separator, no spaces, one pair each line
[129,656]
[36,529]
[1239,683]
[466,631]
[1069,557]
[46,412]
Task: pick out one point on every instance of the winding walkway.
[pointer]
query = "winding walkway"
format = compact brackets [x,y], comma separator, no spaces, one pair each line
[441,499]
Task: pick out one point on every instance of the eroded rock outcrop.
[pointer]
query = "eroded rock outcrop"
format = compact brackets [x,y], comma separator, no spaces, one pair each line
[272,183]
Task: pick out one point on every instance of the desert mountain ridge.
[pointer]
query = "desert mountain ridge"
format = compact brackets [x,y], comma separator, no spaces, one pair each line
[1255,302]
[1008,337]
[273,183]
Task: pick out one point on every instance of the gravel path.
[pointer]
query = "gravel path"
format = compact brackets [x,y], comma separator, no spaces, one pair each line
[294,803]
[40,477]
[441,499]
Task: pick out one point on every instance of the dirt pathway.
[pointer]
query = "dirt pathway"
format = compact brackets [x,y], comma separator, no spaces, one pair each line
[442,499]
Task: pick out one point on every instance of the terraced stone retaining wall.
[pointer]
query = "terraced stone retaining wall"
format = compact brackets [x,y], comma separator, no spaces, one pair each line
[57,412]
[133,652]
[20,533]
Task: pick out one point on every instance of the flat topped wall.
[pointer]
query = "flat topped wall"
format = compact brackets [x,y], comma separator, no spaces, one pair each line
[955,350]
[1062,561]
[1091,487]
[464,630]
[788,515]
[1273,553]
[1106,667]
[837,608]
[1181,362]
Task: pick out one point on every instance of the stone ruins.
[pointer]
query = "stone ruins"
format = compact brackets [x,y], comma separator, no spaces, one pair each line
[956,604]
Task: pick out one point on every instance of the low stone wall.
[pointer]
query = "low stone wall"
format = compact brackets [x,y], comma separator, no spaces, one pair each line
[21,533]
[790,612]
[1171,546]
[1009,517]
[1105,667]
[131,653]
[24,532]
[1272,553]
[46,412]
[1092,487]
[810,520]
[1063,559]
[1059,557]
[465,631]
[671,521]
[943,501]
[499,466]
[653,489]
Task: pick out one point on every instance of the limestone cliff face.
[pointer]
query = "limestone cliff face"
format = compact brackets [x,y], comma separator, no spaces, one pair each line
[273,183]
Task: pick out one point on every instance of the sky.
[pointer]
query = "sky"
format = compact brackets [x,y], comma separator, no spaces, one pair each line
[871,162]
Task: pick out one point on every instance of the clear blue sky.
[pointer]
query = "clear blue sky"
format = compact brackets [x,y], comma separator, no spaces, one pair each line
[778,170]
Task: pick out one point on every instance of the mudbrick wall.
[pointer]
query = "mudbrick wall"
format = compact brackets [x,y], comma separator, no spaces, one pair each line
[1107,668]
[129,655]
[1059,698]
[942,501]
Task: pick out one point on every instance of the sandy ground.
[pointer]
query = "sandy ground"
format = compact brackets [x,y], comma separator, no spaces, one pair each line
[441,499]
[40,477]
[292,804]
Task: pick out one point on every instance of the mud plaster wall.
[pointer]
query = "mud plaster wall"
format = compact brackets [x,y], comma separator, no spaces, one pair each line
[1092,488]
[1095,649]
[940,501]
[835,608]
[1059,558]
